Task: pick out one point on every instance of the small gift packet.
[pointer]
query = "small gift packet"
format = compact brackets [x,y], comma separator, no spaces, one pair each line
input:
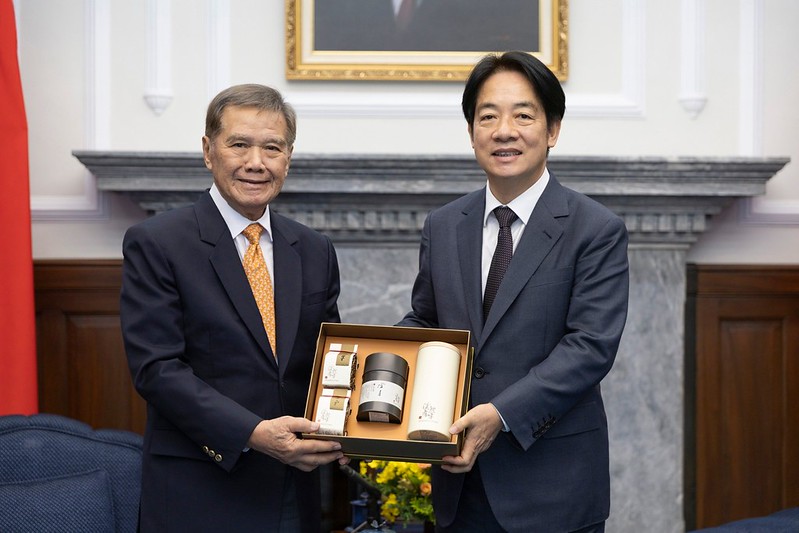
[339,366]
[332,411]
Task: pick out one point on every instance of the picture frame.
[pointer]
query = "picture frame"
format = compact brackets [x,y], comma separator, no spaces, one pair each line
[357,40]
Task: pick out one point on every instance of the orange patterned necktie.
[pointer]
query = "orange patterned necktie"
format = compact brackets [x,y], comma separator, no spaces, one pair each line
[260,282]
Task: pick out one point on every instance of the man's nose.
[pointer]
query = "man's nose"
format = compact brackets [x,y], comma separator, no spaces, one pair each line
[505,129]
[254,160]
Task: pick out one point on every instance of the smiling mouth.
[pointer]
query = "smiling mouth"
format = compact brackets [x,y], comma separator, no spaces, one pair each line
[254,182]
[506,153]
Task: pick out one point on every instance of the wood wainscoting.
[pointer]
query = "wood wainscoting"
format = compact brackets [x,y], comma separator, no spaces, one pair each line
[742,392]
[83,370]
[742,379]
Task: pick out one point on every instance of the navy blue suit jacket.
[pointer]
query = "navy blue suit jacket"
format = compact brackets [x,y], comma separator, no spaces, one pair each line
[550,337]
[199,356]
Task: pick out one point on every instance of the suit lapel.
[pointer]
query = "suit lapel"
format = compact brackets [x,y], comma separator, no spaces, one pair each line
[541,234]
[469,251]
[288,286]
[226,263]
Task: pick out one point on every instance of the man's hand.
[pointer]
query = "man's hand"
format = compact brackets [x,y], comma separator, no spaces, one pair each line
[277,437]
[483,423]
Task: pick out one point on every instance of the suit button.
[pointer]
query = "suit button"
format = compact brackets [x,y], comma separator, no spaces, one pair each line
[211,453]
[479,373]
[218,458]
[205,450]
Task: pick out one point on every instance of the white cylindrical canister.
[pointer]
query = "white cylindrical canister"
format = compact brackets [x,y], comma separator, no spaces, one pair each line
[435,386]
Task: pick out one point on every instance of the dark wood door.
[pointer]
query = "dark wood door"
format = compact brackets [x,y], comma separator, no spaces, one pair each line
[742,345]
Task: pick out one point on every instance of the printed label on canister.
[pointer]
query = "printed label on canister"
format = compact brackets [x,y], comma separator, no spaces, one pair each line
[382,391]
[435,387]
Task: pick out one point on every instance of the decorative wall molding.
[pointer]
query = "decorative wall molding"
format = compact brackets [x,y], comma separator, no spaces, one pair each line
[97,123]
[97,50]
[628,103]
[158,88]
[692,50]
[764,212]
[750,78]
[633,58]
[218,46]
[389,104]
[367,198]
[760,211]
[90,206]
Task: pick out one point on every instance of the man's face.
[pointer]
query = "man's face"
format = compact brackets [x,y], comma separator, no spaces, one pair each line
[249,158]
[509,135]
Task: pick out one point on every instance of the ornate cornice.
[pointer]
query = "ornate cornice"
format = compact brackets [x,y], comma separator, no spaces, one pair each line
[385,198]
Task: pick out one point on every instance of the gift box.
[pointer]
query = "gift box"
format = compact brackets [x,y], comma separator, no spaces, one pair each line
[380,440]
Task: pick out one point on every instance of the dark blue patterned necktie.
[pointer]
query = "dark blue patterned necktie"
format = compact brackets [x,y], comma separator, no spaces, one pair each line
[502,256]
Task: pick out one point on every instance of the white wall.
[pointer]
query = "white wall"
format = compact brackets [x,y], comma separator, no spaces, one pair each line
[86,65]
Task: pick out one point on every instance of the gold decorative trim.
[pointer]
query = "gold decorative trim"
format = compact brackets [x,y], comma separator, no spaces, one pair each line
[327,67]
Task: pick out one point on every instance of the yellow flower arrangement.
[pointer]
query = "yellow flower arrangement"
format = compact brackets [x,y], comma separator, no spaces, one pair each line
[405,488]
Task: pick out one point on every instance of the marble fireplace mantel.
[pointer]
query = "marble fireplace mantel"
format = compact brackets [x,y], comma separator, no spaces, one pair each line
[384,198]
[373,207]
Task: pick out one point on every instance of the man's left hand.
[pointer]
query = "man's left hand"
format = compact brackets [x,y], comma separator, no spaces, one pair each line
[483,424]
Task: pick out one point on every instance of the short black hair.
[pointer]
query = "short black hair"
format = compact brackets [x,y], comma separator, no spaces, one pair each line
[544,83]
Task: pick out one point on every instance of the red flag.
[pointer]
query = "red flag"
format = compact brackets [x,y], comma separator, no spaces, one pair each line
[18,387]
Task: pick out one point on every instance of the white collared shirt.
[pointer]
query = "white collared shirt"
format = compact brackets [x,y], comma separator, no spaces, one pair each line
[236,223]
[522,205]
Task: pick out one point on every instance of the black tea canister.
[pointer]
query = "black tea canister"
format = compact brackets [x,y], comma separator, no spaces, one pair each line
[385,376]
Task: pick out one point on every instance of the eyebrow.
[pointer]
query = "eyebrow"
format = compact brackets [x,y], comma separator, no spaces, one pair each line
[517,105]
[274,139]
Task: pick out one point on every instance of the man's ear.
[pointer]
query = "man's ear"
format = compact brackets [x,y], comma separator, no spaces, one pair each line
[470,129]
[553,131]
[207,151]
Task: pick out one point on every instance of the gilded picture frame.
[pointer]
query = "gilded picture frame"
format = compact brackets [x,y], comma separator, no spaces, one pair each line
[350,42]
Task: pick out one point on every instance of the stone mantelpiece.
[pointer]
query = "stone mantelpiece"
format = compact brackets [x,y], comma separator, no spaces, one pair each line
[374,206]
[357,198]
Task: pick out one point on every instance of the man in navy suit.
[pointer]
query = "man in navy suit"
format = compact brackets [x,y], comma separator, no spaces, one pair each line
[535,454]
[221,451]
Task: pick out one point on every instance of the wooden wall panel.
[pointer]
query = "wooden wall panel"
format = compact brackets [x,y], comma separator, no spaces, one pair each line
[102,391]
[83,371]
[742,368]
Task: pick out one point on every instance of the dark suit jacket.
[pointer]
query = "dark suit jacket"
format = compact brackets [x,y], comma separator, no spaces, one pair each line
[551,336]
[199,356]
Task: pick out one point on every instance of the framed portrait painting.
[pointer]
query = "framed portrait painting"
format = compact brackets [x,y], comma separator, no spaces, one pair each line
[418,40]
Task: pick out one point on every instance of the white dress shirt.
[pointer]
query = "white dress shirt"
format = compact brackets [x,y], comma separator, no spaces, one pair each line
[522,205]
[236,223]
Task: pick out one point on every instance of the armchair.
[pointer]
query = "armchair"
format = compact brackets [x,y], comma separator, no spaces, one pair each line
[58,474]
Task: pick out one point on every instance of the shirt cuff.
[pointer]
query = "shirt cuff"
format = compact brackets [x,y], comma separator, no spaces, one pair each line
[505,427]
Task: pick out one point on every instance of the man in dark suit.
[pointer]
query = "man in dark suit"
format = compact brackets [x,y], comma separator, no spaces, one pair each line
[535,454]
[224,398]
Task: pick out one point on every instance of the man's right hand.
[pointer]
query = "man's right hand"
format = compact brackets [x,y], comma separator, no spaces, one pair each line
[278,438]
